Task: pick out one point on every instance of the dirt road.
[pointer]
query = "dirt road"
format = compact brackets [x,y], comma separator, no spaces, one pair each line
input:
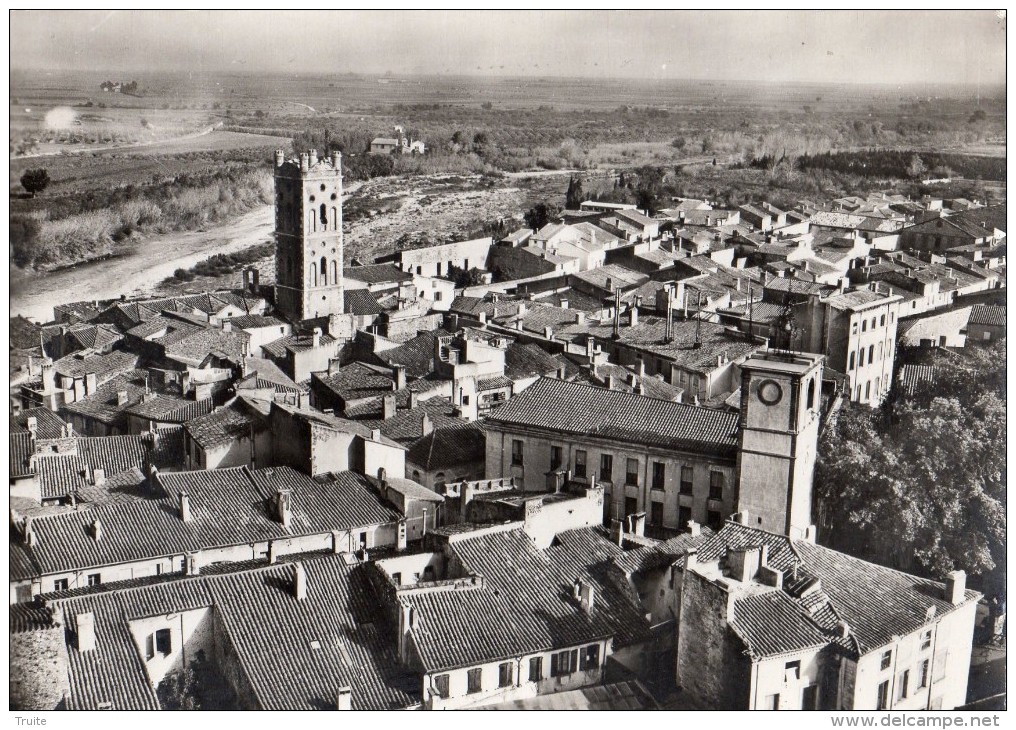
[138,272]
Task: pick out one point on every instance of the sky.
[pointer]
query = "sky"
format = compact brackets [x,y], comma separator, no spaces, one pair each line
[859,46]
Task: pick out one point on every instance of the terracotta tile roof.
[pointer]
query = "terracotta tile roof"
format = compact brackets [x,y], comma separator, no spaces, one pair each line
[125,486]
[225,424]
[103,366]
[913,377]
[197,346]
[772,623]
[327,420]
[620,276]
[131,530]
[857,300]
[166,408]
[661,554]
[825,587]
[169,447]
[48,425]
[60,474]
[273,635]
[406,426]
[95,336]
[527,360]
[112,675]
[22,449]
[493,383]
[416,355]
[114,454]
[30,617]
[294,343]
[255,321]
[357,380]
[578,409]
[361,302]
[377,274]
[102,405]
[525,604]
[447,447]
[992,315]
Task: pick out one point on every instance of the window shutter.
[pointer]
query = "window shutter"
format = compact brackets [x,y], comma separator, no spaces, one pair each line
[150,646]
[554,665]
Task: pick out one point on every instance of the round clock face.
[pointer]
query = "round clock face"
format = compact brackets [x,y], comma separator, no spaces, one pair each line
[770,392]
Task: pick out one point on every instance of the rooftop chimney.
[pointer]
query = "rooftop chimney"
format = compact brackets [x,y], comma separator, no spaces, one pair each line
[280,157]
[284,506]
[744,563]
[227,326]
[98,477]
[694,528]
[344,698]
[564,304]
[375,434]
[741,518]
[91,383]
[33,426]
[96,529]
[425,425]
[85,627]
[316,338]
[587,596]
[399,373]
[121,397]
[414,399]
[299,582]
[956,587]
[185,507]
[633,315]
[388,407]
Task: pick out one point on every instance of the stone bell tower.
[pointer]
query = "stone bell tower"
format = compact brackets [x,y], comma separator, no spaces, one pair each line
[781,396]
[308,235]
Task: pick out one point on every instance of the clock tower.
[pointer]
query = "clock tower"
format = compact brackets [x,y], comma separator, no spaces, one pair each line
[778,439]
[308,236]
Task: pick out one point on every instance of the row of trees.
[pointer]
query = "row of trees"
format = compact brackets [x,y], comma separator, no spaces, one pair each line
[920,484]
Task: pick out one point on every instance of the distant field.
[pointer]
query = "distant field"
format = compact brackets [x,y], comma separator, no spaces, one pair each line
[217,141]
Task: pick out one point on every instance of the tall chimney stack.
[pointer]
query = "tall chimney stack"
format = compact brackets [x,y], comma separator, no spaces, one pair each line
[185,507]
[299,582]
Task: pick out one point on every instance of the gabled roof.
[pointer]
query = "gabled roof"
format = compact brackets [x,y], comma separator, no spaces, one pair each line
[573,408]
[78,364]
[361,302]
[444,448]
[992,315]
[47,424]
[525,604]
[528,360]
[21,450]
[231,422]
[377,274]
[416,355]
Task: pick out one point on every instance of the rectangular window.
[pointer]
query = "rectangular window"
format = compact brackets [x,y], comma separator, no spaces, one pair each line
[882,321]
[772,702]
[850,364]
[94,579]
[580,463]
[871,354]
[60,584]
[867,390]
[716,485]
[860,358]
[923,673]
[656,514]
[441,686]
[792,672]
[606,468]
[926,639]
[883,696]
[437,296]
[473,675]
[904,683]
[631,506]
[555,457]
[150,646]
[516,452]
[563,663]
[687,474]
[590,658]
[659,473]
[164,642]
[504,674]
[715,520]
[887,659]
[683,517]
[536,669]
[864,326]
[631,475]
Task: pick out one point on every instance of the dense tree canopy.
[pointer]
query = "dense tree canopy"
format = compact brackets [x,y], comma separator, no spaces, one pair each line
[920,484]
[35,180]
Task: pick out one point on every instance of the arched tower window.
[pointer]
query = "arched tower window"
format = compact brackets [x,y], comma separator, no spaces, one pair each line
[335,219]
[324,216]
[324,271]
[313,274]
[335,272]
[812,395]
[312,223]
